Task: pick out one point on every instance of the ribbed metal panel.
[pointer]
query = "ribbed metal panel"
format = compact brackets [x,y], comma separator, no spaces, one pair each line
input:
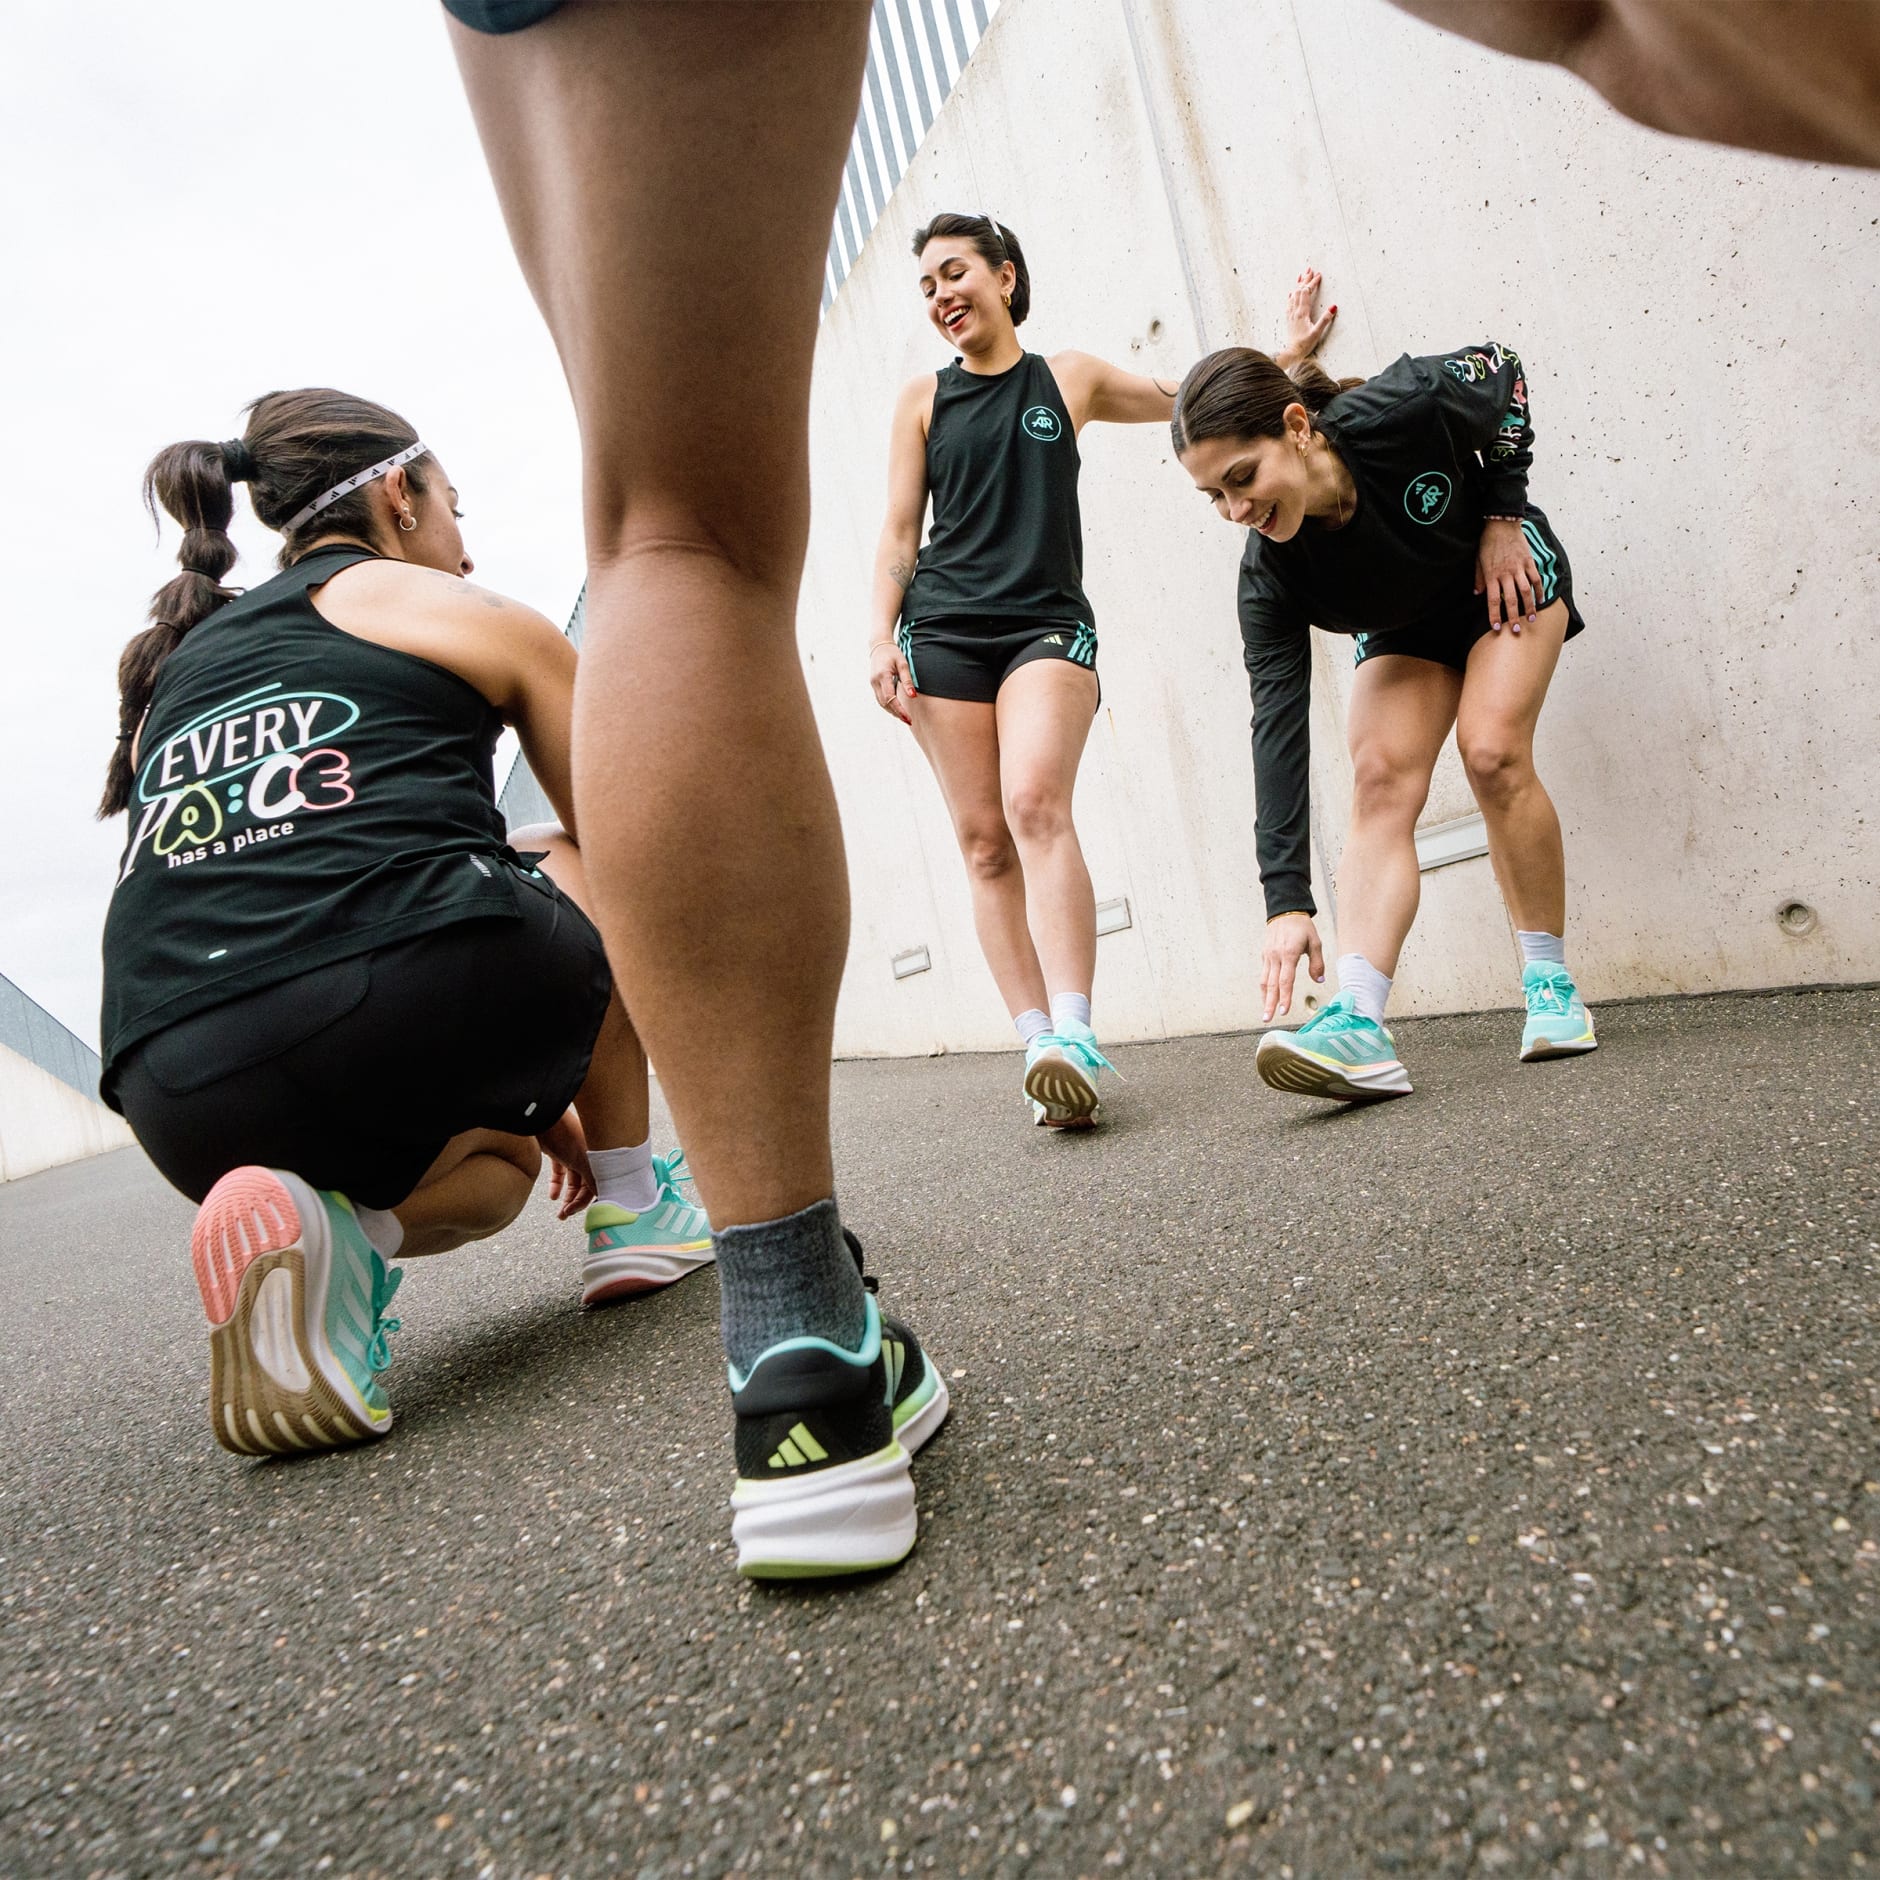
[917,50]
[28,1028]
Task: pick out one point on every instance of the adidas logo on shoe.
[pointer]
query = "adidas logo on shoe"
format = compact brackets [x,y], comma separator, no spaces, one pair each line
[798,1449]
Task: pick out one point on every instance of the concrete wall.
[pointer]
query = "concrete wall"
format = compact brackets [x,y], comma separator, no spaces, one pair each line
[44,1121]
[1697,328]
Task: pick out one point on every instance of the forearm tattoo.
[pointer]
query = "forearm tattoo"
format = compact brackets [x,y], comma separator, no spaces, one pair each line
[901,572]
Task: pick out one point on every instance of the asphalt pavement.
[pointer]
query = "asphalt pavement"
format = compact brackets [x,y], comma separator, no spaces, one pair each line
[1487,1481]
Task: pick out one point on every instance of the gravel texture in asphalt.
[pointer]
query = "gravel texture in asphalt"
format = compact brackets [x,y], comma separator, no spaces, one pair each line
[1486,1480]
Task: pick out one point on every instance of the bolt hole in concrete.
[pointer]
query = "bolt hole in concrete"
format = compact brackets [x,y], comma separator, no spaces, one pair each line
[1797,918]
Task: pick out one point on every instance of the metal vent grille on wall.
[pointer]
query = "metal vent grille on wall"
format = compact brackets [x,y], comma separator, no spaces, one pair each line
[917,50]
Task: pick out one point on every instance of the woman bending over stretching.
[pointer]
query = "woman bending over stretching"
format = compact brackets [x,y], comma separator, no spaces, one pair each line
[1394,509]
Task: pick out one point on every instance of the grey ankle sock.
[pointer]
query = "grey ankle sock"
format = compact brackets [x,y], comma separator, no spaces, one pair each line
[1032,1023]
[793,1278]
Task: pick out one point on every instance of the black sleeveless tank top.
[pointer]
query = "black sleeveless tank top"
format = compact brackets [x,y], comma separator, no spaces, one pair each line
[1002,467]
[301,796]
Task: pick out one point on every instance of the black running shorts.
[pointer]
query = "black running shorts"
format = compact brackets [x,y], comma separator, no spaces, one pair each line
[1447,638]
[970,657]
[500,16]
[356,1075]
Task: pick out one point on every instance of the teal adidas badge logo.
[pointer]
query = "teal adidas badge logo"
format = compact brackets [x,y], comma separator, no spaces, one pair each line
[1428,496]
[1042,423]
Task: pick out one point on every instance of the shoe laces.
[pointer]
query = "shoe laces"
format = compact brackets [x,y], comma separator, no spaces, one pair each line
[1087,1052]
[385,1282]
[1551,991]
[1338,1016]
[670,1170]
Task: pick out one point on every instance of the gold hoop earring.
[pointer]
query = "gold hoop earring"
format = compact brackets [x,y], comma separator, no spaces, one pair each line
[407,522]
[1007,299]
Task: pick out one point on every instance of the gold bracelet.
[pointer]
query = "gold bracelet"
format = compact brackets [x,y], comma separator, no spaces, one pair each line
[1289,913]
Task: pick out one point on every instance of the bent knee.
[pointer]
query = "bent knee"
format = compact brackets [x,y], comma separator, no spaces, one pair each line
[1037,815]
[522,1153]
[1498,768]
[1383,784]
[989,850]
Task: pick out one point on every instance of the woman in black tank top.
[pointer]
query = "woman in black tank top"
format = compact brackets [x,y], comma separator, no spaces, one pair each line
[341,1010]
[983,640]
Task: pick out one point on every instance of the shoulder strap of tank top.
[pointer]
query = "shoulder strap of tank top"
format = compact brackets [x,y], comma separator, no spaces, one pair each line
[324,563]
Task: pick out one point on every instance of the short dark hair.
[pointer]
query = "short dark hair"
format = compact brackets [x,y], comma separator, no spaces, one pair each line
[996,243]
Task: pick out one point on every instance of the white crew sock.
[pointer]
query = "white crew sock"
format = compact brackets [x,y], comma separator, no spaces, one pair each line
[625,1176]
[383,1228]
[1031,1023]
[1070,1008]
[1548,948]
[1367,987]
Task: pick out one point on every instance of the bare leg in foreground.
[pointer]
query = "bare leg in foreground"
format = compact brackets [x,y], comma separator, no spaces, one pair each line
[669,175]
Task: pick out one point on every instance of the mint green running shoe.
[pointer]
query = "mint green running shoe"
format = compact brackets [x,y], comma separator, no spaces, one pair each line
[637,1253]
[1061,1070]
[1558,1023]
[296,1297]
[1337,1053]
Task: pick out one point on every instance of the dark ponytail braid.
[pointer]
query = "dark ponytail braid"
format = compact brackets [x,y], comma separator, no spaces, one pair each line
[297,446]
[191,481]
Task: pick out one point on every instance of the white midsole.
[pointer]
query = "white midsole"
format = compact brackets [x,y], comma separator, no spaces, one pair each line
[657,1269]
[1389,1075]
[316,1247]
[858,1514]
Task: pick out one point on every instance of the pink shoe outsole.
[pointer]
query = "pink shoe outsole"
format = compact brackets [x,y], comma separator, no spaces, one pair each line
[247,1213]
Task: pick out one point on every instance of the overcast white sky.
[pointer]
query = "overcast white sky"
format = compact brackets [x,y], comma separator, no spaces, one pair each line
[203,203]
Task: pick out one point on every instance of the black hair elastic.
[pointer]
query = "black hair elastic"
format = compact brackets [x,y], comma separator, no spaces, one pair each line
[238,461]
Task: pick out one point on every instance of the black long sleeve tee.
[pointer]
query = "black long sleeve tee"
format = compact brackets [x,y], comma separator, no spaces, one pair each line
[1434,445]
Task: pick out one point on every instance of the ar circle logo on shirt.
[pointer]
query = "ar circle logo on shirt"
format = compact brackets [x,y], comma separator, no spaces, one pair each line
[1428,496]
[1042,423]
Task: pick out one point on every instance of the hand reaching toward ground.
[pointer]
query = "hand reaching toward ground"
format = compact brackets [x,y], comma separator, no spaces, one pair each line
[571,1179]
